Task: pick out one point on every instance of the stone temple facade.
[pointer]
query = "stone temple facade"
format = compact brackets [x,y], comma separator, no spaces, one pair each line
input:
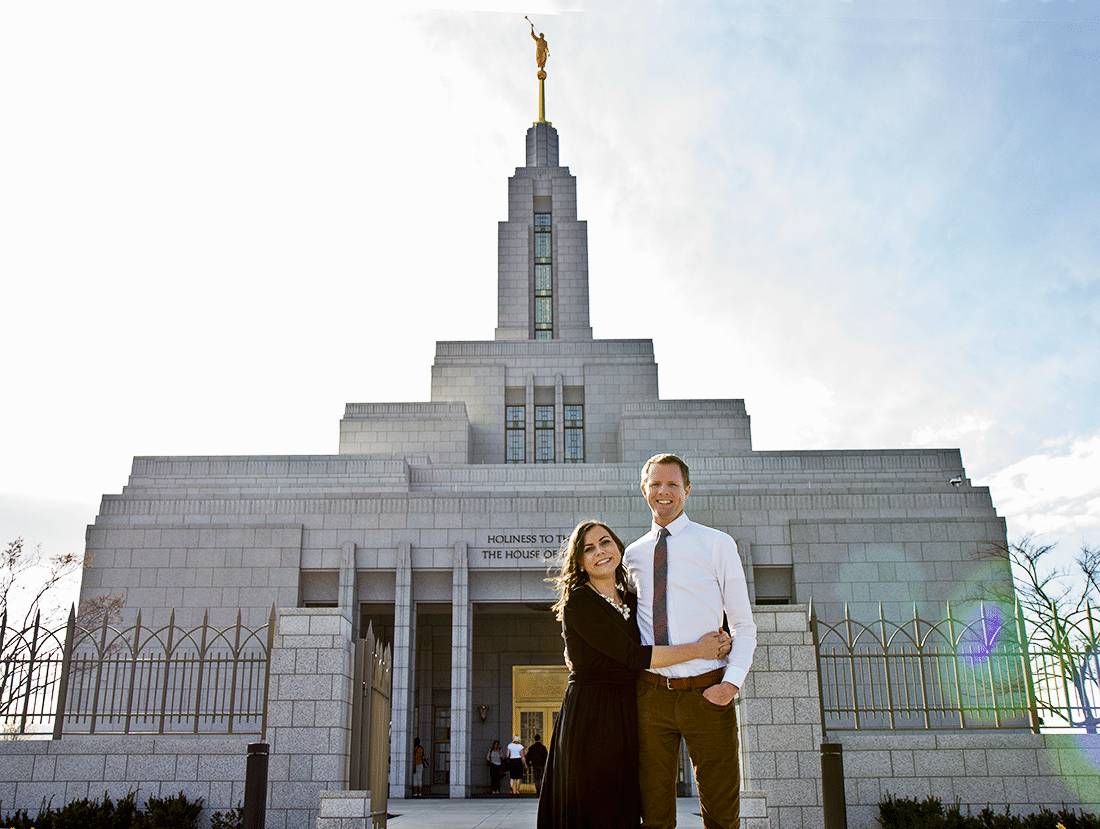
[435,520]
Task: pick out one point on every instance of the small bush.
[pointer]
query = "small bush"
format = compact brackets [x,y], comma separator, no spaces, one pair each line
[907,813]
[233,819]
[160,813]
[170,813]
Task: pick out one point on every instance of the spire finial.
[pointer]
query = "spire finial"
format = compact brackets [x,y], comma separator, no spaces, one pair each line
[542,49]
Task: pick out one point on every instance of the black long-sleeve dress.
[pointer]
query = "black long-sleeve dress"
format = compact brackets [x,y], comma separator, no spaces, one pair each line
[591,777]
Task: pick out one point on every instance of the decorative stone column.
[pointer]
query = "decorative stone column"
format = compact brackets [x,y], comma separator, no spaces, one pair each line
[309,711]
[461,690]
[403,665]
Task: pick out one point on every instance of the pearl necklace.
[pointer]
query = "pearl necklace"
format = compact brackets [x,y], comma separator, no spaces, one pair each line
[621,607]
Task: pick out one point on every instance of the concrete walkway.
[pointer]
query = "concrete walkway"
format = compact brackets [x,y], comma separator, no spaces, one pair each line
[496,813]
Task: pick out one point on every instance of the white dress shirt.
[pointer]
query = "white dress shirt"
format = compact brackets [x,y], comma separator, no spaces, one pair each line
[705,579]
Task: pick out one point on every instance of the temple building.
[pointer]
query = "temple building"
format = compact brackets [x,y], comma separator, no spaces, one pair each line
[435,521]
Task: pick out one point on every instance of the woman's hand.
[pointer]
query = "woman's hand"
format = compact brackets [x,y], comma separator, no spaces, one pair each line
[714,645]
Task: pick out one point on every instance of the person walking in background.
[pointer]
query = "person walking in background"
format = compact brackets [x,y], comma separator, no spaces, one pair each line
[517,763]
[688,577]
[495,759]
[536,759]
[419,762]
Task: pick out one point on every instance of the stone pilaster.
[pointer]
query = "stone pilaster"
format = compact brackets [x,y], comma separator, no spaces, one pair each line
[309,711]
[403,657]
[461,643]
[781,728]
[346,591]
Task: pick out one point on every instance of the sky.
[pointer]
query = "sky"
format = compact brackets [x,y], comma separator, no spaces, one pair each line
[877,223]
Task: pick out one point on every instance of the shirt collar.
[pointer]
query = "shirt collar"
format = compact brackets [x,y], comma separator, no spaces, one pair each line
[680,523]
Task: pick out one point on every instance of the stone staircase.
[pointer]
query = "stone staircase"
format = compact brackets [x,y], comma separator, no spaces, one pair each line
[754,811]
[344,810]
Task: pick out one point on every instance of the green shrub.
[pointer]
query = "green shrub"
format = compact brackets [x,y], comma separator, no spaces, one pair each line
[907,813]
[79,814]
[169,813]
[233,819]
[160,813]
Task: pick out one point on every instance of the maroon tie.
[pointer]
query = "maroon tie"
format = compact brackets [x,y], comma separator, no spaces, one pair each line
[660,589]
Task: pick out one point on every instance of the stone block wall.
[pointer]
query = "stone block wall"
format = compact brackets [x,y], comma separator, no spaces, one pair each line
[780,720]
[309,713]
[782,735]
[226,568]
[78,766]
[308,730]
[690,428]
[895,563]
[439,431]
[309,733]
[1001,768]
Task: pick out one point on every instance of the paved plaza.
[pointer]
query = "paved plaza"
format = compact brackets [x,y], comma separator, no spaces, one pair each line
[496,813]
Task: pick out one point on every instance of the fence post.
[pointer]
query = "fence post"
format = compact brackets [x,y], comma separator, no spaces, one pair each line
[255,786]
[832,786]
[1025,659]
[66,668]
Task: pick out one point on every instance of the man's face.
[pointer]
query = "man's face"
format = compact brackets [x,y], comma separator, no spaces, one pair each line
[665,492]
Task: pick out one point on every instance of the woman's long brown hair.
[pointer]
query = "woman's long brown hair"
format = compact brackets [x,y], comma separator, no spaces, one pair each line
[570,564]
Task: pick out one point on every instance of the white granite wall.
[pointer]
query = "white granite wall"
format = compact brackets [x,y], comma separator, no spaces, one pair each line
[309,713]
[79,766]
[1018,769]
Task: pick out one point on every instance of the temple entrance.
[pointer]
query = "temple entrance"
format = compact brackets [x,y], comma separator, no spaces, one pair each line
[537,692]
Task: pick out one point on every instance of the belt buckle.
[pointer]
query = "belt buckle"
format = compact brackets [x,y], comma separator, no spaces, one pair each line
[668,682]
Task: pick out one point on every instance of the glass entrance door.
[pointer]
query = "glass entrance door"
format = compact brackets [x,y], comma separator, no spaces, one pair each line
[537,691]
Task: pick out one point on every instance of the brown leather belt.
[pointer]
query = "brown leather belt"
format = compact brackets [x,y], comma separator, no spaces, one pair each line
[686,683]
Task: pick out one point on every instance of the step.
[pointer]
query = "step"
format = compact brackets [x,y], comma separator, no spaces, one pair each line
[344,810]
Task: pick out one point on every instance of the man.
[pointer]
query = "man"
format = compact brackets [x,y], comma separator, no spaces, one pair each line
[536,758]
[703,579]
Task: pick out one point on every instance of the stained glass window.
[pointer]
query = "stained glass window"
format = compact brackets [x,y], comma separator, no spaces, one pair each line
[574,434]
[544,278]
[515,436]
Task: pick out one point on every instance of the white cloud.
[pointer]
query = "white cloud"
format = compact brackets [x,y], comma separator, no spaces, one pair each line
[1053,494]
[953,431]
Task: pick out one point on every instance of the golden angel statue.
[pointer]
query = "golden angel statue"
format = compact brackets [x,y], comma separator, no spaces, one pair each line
[541,48]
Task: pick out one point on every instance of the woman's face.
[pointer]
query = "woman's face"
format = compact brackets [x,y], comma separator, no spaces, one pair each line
[600,553]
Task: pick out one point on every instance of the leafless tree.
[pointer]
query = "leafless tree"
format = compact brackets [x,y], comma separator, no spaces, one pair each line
[33,632]
[1059,605]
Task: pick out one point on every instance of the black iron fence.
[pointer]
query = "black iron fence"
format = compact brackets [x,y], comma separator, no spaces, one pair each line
[134,680]
[987,669]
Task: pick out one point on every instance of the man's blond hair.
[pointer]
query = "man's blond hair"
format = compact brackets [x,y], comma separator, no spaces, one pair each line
[663,458]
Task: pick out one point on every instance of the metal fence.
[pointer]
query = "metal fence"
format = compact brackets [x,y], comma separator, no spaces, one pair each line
[989,669]
[371,706]
[134,680]
[1065,670]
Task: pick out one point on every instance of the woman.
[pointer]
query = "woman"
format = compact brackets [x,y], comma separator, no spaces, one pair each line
[517,763]
[495,757]
[591,777]
[419,762]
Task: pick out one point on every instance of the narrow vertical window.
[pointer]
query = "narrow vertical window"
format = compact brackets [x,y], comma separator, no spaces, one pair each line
[544,434]
[574,434]
[515,435]
[544,279]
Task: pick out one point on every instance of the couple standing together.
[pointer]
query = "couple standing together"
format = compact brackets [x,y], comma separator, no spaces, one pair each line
[614,757]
